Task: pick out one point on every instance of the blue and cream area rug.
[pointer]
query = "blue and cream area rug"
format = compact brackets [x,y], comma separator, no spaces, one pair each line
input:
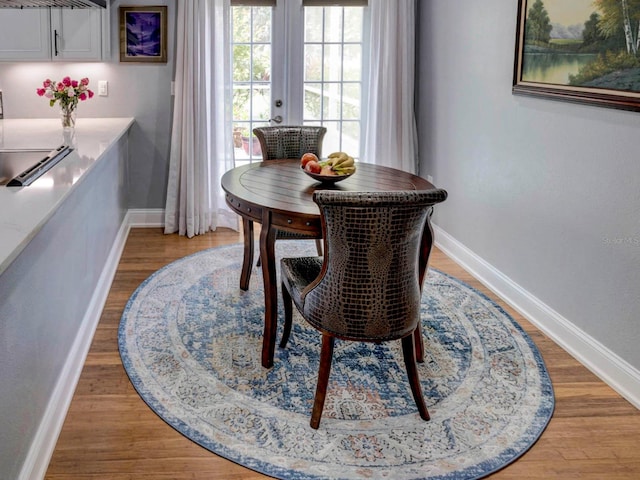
[190,341]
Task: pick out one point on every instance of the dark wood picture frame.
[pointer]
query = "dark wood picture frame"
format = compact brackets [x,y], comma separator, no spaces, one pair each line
[598,91]
[143,34]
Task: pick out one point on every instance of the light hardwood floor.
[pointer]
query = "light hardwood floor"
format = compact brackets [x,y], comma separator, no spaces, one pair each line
[110,433]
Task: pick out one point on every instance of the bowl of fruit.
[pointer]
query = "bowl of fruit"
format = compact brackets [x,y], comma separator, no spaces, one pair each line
[335,168]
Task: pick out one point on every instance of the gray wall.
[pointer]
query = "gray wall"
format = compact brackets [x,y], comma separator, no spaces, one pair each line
[545,191]
[139,90]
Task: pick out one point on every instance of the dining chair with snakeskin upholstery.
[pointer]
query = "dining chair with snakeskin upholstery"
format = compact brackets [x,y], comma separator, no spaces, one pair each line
[277,143]
[289,141]
[367,286]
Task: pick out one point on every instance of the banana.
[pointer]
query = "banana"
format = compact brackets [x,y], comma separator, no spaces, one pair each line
[328,161]
[345,171]
[338,156]
[341,163]
[346,162]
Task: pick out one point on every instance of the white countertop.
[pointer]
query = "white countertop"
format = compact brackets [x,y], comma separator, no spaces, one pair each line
[24,210]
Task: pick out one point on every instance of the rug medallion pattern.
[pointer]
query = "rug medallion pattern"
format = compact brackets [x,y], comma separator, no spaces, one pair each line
[190,341]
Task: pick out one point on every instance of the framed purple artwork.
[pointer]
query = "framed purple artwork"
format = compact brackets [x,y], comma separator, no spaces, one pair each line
[143,34]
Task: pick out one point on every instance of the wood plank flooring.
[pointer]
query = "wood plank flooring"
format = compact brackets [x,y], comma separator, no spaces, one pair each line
[110,433]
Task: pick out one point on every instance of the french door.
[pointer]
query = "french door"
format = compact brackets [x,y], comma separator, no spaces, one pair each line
[299,62]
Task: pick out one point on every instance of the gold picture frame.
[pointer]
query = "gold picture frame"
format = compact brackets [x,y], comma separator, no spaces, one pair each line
[563,54]
[143,34]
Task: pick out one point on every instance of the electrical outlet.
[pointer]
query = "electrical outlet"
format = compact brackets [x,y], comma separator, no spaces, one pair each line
[429,179]
[103,88]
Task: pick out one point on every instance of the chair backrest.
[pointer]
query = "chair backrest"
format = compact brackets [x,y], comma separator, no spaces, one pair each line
[369,288]
[289,141]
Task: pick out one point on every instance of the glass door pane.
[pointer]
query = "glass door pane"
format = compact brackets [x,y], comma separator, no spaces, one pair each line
[251,59]
[333,65]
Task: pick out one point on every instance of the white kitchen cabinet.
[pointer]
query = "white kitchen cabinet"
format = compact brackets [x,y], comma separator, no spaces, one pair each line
[25,34]
[53,34]
[76,34]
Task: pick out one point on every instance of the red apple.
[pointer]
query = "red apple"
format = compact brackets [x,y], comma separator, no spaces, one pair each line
[313,167]
[308,157]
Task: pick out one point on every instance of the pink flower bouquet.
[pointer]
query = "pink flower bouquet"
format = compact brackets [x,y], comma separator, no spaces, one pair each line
[68,92]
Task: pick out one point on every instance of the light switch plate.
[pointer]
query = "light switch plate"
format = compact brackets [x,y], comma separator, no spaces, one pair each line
[103,88]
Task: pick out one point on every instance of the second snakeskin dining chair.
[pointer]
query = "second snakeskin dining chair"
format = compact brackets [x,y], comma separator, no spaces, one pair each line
[289,141]
[277,143]
[367,286]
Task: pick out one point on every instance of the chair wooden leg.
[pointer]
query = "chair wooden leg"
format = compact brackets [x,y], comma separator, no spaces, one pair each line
[247,261]
[419,344]
[412,372]
[326,355]
[288,316]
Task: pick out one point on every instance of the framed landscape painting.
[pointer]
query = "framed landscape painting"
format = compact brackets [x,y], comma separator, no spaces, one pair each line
[143,34]
[585,51]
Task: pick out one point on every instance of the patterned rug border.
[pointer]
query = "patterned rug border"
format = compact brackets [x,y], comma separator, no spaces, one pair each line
[477,471]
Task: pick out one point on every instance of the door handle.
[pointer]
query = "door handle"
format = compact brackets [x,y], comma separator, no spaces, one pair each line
[55,42]
[276,119]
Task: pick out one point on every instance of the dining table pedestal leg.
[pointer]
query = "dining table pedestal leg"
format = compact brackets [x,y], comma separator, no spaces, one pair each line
[247,261]
[267,258]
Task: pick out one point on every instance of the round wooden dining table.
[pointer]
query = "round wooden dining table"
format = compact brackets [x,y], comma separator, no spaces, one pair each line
[278,195]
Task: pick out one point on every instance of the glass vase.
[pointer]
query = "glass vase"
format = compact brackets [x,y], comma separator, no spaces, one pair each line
[68,117]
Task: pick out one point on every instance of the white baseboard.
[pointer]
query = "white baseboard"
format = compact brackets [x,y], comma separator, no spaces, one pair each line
[44,442]
[151,217]
[604,363]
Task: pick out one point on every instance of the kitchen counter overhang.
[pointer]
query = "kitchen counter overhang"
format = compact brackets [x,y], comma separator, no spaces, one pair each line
[26,209]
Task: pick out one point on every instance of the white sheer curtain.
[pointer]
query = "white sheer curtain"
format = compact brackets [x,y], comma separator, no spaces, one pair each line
[390,137]
[201,141]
